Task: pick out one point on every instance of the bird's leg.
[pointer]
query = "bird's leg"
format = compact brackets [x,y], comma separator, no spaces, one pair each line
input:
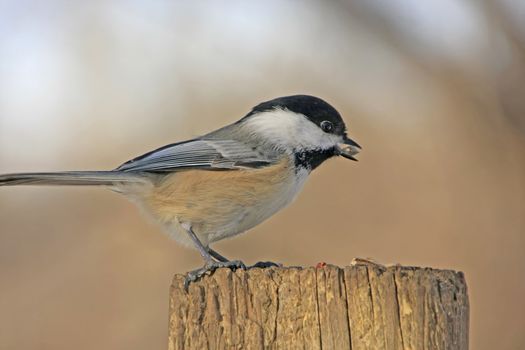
[209,263]
[217,255]
[200,247]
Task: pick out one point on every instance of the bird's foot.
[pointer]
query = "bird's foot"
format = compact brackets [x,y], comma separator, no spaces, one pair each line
[265,264]
[211,266]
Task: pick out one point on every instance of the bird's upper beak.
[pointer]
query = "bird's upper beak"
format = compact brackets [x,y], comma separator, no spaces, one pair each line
[348,148]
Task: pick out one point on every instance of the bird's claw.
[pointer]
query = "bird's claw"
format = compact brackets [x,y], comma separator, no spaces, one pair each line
[211,266]
[265,264]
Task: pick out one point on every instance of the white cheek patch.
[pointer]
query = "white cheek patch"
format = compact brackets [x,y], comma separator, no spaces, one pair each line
[289,130]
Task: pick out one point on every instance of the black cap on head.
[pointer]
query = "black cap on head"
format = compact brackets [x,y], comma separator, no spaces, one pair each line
[314,108]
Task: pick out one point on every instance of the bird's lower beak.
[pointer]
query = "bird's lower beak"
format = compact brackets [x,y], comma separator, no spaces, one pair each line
[348,148]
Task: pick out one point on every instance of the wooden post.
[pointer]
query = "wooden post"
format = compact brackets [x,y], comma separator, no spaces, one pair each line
[357,307]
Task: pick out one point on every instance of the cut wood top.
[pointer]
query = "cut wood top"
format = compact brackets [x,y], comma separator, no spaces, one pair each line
[365,306]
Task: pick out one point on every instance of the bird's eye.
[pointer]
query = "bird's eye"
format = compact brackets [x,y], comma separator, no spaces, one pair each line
[327,126]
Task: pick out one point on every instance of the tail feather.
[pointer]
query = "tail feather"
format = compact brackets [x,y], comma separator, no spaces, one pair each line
[74,178]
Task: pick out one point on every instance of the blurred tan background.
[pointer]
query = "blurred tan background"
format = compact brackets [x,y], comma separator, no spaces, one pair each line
[433,90]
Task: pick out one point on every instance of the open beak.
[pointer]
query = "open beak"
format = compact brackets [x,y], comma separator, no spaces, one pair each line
[349,148]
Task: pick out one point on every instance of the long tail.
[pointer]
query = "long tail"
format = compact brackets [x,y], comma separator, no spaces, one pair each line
[74,178]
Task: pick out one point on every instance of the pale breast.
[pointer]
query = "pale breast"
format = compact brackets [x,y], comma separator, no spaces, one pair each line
[219,204]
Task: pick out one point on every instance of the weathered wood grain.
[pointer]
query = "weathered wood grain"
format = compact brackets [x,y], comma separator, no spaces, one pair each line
[356,307]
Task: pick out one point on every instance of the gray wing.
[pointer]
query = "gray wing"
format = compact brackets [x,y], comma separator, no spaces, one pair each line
[198,153]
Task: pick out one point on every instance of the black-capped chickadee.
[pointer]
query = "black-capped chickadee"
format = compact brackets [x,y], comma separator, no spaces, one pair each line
[225,182]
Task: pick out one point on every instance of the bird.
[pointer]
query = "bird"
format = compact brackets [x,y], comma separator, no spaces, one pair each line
[227,181]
